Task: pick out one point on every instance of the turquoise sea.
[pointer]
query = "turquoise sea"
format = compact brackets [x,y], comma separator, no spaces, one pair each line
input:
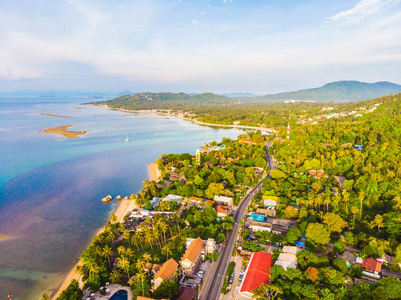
[51,186]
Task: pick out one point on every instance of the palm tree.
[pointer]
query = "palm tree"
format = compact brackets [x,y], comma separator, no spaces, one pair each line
[121,250]
[44,296]
[129,253]
[147,257]
[115,276]
[378,221]
[107,252]
[127,236]
[346,199]
[361,198]
[113,218]
[149,238]
[124,263]
[166,250]
[354,211]
[177,272]
[141,275]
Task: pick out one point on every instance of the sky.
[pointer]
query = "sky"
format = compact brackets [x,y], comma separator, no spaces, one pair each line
[225,46]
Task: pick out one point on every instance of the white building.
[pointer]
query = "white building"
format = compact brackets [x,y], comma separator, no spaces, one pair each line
[286,260]
[171,197]
[228,201]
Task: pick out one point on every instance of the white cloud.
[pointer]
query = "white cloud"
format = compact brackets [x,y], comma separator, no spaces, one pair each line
[194,21]
[361,9]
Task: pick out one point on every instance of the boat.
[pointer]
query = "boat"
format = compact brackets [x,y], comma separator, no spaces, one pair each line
[156,134]
[107,199]
[127,139]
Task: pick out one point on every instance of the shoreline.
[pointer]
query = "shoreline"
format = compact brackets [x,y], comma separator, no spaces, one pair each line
[154,172]
[123,208]
[181,116]
[63,130]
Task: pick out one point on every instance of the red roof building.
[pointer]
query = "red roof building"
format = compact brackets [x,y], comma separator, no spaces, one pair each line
[371,265]
[257,273]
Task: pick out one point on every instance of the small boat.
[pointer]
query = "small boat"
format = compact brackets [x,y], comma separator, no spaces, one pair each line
[156,134]
[107,199]
[127,139]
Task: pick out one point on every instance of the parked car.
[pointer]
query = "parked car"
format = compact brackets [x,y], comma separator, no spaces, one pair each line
[200,274]
[230,281]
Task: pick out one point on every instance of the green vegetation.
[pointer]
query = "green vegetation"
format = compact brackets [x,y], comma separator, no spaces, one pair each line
[230,270]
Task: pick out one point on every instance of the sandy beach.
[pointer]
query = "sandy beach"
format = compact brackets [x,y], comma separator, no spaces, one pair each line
[64,132]
[56,116]
[124,207]
[154,172]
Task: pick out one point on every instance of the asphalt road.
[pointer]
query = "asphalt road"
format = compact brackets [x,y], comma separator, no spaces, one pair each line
[216,275]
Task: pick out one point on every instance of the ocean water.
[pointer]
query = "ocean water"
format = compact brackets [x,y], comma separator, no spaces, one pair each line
[51,186]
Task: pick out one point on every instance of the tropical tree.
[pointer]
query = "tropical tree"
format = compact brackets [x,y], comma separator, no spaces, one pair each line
[115,276]
[107,252]
[361,198]
[113,218]
[166,251]
[377,222]
[44,296]
[354,211]
[124,263]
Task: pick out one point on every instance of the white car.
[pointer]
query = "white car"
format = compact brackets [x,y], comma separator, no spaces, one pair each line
[200,274]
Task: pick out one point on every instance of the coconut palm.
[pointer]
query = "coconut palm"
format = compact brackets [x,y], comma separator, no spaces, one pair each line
[121,250]
[113,218]
[361,198]
[149,238]
[147,257]
[115,276]
[124,263]
[354,211]
[378,221]
[166,250]
[129,253]
[141,276]
[107,252]
[127,236]
[345,199]
[44,296]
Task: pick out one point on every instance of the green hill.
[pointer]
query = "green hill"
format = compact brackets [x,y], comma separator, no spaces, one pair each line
[165,101]
[339,91]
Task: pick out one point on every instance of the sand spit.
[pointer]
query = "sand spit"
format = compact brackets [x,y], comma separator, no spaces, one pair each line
[57,116]
[64,132]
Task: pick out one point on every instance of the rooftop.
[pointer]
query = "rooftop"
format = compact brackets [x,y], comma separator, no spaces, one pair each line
[193,250]
[258,271]
[167,270]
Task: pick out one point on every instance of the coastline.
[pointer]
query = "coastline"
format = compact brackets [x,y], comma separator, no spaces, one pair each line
[125,206]
[154,172]
[181,116]
[63,130]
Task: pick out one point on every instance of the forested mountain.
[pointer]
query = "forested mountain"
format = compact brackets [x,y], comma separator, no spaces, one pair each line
[173,101]
[339,91]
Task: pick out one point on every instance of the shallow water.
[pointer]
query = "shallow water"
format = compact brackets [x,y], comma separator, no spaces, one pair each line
[50,186]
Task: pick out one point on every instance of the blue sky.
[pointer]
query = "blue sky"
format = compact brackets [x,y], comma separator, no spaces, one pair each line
[221,46]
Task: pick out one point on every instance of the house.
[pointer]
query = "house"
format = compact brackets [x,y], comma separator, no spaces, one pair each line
[287,260]
[312,172]
[221,210]
[291,250]
[258,170]
[348,257]
[228,201]
[266,212]
[270,202]
[166,272]
[280,139]
[195,199]
[320,173]
[260,226]
[372,266]
[257,217]
[187,293]
[192,256]
[191,281]
[208,164]
[155,201]
[210,246]
[171,197]
[284,222]
[300,244]
[148,267]
[175,176]
[139,213]
[257,273]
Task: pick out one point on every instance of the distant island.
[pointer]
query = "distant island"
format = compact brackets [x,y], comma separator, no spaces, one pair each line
[62,130]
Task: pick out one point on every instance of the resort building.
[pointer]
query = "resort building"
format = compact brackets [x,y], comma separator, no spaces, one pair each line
[266,212]
[260,226]
[166,272]
[221,211]
[288,259]
[228,201]
[210,246]
[192,256]
[155,201]
[257,273]
[171,197]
